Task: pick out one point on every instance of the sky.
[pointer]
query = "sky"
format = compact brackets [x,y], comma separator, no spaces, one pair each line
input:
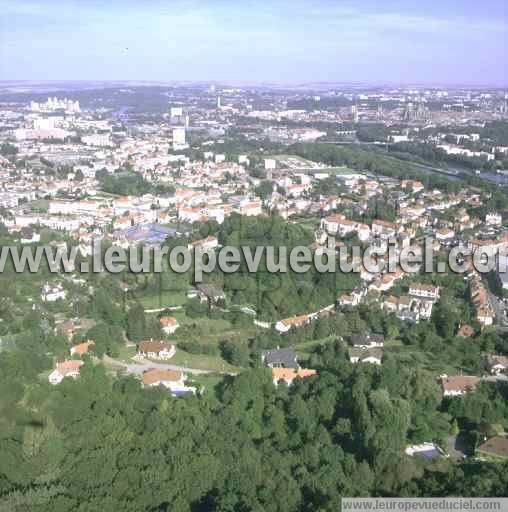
[425,41]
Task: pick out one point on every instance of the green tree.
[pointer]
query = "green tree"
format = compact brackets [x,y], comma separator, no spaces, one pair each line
[136,322]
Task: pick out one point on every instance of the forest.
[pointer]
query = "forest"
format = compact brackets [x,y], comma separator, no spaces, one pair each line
[102,442]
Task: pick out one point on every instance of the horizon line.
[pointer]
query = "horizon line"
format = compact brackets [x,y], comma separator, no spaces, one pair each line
[264,82]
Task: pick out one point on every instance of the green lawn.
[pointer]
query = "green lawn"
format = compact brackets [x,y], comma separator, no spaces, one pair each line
[202,362]
[164,300]
[287,159]
[39,205]
[209,330]
[206,382]
[126,353]
[304,349]
[209,325]
[434,363]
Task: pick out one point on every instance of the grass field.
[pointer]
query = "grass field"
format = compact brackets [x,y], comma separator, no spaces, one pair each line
[210,325]
[304,349]
[413,356]
[293,161]
[207,383]
[39,205]
[202,362]
[164,300]
[126,353]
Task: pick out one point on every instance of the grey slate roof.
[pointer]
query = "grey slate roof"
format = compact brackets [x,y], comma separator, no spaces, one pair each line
[280,357]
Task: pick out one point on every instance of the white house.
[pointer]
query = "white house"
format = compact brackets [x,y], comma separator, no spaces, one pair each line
[445,235]
[367,341]
[497,364]
[361,355]
[286,324]
[425,291]
[384,229]
[156,350]
[169,324]
[270,163]
[494,219]
[52,293]
[208,243]
[173,380]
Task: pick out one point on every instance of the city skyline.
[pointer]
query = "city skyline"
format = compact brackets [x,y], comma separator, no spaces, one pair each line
[456,43]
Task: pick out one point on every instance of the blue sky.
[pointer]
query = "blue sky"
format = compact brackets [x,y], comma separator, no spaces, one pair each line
[427,41]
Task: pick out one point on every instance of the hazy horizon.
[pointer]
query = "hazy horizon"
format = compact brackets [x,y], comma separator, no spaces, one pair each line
[451,43]
[265,83]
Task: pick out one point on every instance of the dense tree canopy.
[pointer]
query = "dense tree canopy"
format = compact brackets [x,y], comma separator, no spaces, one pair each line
[99,444]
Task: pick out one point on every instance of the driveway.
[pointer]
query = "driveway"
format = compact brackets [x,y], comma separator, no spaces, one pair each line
[142,365]
[457,447]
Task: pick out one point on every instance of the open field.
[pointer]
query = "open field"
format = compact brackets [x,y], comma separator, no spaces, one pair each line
[202,362]
[39,205]
[293,162]
[163,300]
[207,382]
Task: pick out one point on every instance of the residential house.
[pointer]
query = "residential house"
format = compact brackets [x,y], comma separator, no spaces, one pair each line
[497,364]
[369,355]
[52,293]
[367,341]
[280,358]
[408,308]
[413,185]
[29,236]
[445,235]
[208,243]
[286,324]
[494,219]
[156,349]
[386,281]
[169,324]
[428,451]
[424,291]
[479,297]
[82,348]
[461,216]
[495,447]
[354,298]
[68,368]
[458,385]
[490,247]
[288,375]
[70,327]
[465,331]
[250,208]
[337,224]
[485,315]
[502,271]
[173,380]
[384,229]
[190,214]
[331,223]
[210,293]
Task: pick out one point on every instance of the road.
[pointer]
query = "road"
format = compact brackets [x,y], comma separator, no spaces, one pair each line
[456,447]
[143,365]
[496,378]
[169,308]
[499,309]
